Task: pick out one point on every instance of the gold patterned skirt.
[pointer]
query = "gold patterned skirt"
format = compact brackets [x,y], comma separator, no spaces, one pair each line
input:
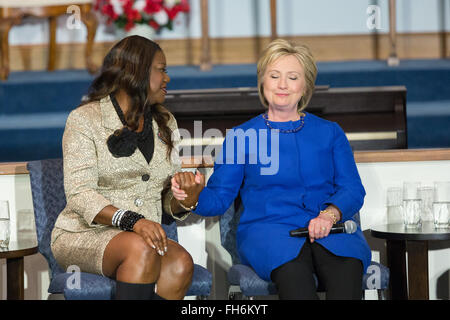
[82,249]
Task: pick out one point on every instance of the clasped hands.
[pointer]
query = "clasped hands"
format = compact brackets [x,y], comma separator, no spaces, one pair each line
[186,187]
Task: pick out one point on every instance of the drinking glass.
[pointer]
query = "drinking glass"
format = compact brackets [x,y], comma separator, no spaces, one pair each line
[441,204]
[394,204]
[412,204]
[4,224]
[441,213]
[25,222]
[427,196]
[411,213]
[411,190]
[442,191]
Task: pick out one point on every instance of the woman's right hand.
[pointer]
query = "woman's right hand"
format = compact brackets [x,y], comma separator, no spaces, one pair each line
[177,192]
[153,233]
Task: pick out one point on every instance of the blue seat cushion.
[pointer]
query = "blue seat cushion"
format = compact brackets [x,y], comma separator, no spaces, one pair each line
[97,287]
[250,283]
[201,282]
[90,287]
[377,277]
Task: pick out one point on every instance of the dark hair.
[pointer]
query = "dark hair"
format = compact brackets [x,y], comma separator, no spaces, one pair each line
[127,67]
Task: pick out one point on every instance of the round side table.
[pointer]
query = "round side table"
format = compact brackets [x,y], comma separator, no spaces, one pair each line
[413,285]
[14,265]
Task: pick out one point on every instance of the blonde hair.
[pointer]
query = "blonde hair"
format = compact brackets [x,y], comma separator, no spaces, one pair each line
[281,48]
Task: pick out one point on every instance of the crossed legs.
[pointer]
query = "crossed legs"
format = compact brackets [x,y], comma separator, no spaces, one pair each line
[128,258]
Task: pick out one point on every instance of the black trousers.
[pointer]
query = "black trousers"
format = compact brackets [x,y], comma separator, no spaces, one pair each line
[340,277]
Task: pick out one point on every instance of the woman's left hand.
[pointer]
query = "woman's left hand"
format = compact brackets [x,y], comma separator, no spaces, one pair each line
[320,227]
[186,187]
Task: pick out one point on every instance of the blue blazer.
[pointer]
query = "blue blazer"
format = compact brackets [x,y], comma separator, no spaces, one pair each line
[284,180]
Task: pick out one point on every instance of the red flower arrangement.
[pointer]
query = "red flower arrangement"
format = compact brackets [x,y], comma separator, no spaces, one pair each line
[125,14]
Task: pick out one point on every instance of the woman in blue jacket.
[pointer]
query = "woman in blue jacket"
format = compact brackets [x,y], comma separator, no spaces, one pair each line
[291,169]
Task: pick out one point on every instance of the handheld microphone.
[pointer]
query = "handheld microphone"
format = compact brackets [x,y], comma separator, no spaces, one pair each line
[348,226]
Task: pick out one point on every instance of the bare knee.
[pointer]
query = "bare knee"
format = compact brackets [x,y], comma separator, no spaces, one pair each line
[183,266]
[141,257]
[178,263]
[177,269]
[138,261]
[137,248]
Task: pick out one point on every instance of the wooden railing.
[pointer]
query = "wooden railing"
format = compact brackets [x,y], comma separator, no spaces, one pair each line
[205,59]
[393,58]
[401,155]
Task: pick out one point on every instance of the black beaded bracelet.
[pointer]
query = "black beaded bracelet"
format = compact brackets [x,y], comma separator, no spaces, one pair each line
[129,219]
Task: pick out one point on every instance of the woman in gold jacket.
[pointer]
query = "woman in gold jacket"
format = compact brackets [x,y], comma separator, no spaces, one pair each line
[119,151]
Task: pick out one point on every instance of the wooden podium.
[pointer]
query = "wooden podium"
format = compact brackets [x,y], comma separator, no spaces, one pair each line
[12,12]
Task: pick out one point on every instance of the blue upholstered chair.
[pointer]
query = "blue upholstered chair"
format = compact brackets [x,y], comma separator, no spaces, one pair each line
[49,200]
[244,281]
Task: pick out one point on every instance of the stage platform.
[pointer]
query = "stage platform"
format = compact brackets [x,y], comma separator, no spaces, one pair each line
[35,105]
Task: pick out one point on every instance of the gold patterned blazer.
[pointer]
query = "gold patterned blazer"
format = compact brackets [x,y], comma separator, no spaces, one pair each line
[94,178]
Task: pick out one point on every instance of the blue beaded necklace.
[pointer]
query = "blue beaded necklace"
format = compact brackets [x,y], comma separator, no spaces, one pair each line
[300,126]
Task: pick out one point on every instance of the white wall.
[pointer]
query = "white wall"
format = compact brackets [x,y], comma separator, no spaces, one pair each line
[247,18]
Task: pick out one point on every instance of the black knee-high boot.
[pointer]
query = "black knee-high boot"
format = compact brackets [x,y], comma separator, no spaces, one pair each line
[158,297]
[134,291]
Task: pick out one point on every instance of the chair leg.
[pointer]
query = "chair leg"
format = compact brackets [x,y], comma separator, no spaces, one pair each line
[5,26]
[52,44]
[381,294]
[234,293]
[235,296]
[56,296]
[91,23]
